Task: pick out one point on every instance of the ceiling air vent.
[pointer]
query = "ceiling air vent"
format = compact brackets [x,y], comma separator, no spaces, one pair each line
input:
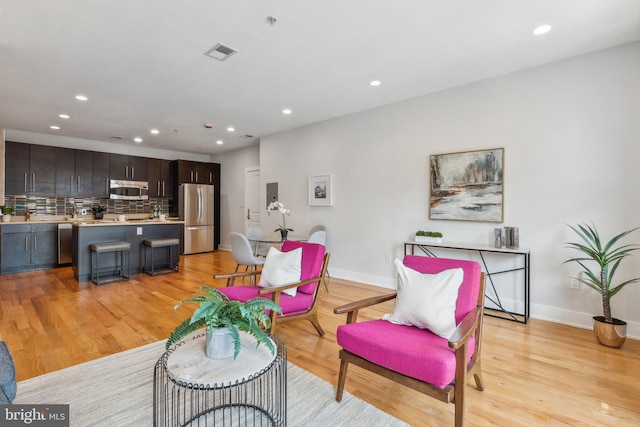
[220,52]
[247,136]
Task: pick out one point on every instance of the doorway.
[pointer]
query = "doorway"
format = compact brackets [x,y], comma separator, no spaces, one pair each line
[252,197]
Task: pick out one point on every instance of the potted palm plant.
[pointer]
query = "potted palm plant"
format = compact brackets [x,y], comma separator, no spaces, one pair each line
[223,320]
[608,330]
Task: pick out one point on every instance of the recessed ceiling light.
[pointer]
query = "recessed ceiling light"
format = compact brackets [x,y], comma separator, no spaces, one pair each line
[287,111]
[63,116]
[219,142]
[542,29]
[231,129]
[81,98]
[137,139]
[375,83]
[55,127]
[154,131]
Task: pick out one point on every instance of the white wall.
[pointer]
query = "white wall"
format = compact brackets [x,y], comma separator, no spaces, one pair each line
[570,131]
[232,210]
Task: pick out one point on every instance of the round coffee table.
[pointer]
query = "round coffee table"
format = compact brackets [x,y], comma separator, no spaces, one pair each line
[191,389]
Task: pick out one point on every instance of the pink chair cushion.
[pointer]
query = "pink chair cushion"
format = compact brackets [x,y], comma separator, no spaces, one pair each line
[312,257]
[468,292]
[414,352]
[290,305]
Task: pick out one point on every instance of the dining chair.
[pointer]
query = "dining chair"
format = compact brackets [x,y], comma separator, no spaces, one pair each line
[243,253]
[255,233]
[439,356]
[318,234]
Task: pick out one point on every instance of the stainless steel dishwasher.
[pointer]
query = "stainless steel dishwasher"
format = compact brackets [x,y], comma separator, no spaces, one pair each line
[65,231]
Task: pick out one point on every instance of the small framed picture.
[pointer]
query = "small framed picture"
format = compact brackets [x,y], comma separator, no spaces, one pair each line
[320,190]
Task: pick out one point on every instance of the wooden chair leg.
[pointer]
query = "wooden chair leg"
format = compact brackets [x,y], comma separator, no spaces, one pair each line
[341,379]
[461,384]
[479,381]
[316,324]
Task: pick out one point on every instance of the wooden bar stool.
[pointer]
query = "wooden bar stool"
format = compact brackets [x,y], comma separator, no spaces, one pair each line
[121,250]
[151,244]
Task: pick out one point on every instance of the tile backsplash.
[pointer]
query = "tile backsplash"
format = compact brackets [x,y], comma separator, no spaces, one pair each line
[41,205]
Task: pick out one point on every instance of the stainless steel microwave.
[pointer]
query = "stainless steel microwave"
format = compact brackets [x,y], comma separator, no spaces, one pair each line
[128,190]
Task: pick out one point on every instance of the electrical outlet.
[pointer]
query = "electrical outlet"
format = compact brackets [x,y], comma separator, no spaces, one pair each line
[574,283]
[138,231]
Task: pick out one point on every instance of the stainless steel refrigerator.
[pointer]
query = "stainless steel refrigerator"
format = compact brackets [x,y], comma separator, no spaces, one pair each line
[195,208]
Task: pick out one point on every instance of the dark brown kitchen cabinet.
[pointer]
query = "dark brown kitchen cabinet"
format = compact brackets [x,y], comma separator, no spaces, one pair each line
[42,170]
[16,168]
[74,172]
[30,169]
[160,178]
[100,184]
[65,162]
[190,172]
[84,173]
[131,168]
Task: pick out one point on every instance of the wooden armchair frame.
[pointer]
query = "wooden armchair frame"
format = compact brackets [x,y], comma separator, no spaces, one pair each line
[312,312]
[470,325]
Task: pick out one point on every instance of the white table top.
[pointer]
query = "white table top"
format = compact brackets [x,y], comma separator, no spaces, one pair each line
[189,363]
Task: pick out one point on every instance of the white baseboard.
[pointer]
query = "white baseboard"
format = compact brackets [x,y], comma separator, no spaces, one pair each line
[551,314]
[224,248]
[367,279]
[577,319]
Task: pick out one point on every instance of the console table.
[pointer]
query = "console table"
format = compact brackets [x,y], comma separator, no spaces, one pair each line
[491,293]
[190,389]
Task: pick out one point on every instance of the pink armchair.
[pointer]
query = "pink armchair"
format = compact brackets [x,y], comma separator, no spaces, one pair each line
[415,357]
[299,307]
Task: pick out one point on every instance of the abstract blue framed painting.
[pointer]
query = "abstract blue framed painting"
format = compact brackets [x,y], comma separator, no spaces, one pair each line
[467,186]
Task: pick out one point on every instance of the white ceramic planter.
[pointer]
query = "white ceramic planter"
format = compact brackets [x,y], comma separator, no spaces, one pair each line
[219,344]
[6,218]
[426,239]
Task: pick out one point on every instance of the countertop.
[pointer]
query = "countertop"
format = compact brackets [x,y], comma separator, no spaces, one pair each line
[109,220]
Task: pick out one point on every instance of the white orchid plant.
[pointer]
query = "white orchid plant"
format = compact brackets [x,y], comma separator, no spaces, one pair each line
[279,206]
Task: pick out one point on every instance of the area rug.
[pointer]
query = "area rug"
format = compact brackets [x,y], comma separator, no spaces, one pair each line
[117,390]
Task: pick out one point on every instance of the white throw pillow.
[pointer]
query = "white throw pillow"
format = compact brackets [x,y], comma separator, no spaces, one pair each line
[280,269]
[427,301]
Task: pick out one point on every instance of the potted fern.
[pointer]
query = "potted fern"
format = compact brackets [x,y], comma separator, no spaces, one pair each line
[608,330]
[223,320]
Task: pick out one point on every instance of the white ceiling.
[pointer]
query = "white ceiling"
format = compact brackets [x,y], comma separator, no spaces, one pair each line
[142,62]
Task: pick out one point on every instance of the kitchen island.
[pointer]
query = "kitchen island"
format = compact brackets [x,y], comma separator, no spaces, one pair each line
[134,231]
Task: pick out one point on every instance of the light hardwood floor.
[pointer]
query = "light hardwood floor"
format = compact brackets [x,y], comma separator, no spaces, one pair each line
[536,374]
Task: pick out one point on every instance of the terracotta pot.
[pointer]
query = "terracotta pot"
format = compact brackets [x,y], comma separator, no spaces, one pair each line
[609,334]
